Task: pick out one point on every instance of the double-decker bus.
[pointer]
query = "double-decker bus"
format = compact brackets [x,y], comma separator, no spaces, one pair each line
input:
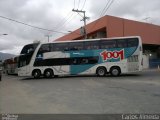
[11,66]
[92,56]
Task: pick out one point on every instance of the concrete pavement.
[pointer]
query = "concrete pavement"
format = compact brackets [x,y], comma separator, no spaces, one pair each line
[134,93]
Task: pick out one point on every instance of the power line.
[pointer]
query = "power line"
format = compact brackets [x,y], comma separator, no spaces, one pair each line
[67,18]
[83,4]
[104,10]
[78,3]
[74,3]
[79,14]
[108,6]
[61,24]
[31,25]
[64,20]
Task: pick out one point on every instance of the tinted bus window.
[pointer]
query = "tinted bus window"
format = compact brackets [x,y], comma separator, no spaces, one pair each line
[104,44]
[59,46]
[67,61]
[122,43]
[28,49]
[24,60]
[76,46]
[132,42]
[91,45]
[44,48]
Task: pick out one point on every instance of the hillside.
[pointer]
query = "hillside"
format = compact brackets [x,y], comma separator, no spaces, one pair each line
[4,56]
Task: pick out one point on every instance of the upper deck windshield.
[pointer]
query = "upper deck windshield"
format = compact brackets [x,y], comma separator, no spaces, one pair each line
[26,54]
[29,49]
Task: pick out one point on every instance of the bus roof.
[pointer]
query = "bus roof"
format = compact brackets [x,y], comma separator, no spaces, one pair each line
[67,41]
[111,38]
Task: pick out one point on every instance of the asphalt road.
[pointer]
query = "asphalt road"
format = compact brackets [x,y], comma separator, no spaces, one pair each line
[134,93]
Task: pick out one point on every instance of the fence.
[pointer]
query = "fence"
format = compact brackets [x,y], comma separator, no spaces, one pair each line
[154,63]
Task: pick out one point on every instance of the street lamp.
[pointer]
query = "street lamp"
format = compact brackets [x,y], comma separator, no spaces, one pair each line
[3,34]
[73,32]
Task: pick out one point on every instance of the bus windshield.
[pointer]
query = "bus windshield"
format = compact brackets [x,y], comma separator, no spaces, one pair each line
[26,54]
[29,49]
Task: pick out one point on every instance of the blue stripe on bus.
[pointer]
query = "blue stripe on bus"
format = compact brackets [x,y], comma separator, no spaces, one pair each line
[77,69]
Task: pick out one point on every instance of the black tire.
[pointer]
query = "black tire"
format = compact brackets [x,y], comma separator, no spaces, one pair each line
[115,71]
[36,74]
[48,73]
[101,71]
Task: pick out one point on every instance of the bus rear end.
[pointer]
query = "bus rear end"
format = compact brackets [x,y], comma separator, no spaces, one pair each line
[135,61]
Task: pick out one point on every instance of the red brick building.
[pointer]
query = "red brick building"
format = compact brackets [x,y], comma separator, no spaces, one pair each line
[109,26]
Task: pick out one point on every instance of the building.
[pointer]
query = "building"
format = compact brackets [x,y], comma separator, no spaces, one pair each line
[109,26]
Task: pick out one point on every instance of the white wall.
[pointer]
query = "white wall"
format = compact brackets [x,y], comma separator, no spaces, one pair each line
[145,61]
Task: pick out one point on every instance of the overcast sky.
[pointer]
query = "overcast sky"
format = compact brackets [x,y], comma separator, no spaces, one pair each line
[57,15]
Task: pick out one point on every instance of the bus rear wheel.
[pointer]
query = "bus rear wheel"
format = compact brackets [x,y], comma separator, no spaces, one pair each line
[36,74]
[115,71]
[101,71]
[48,73]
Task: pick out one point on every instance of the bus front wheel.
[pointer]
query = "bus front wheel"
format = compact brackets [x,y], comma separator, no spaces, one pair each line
[115,71]
[36,73]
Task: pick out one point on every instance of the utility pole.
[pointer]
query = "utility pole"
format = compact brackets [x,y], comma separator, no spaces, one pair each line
[84,19]
[48,37]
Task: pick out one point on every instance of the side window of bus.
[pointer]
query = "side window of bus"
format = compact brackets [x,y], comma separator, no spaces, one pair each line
[59,46]
[91,45]
[122,43]
[76,46]
[73,61]
[44,48]
[89,60]
[104,44]
[132,42]
[84,61]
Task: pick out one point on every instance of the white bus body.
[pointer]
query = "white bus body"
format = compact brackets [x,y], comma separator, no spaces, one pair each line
[91,56]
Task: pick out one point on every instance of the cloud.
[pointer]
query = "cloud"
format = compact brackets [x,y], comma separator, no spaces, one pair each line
[57,15]
[131,9]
